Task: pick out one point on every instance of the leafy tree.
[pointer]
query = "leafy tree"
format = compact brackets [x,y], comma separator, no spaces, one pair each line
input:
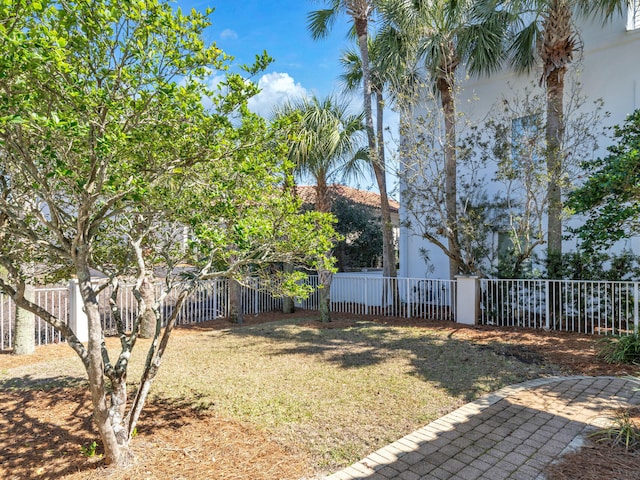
[360,227]
[514,145]
[599,266]
[320,23]
[326,144]
[108,153]
[610,196]
[545,34]
[444,35]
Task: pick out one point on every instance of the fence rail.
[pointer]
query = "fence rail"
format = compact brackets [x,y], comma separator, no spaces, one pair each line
[593,307]
[405,297]
[395,297]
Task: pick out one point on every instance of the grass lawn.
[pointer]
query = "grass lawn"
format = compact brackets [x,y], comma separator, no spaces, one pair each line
[333,394]
[339,393]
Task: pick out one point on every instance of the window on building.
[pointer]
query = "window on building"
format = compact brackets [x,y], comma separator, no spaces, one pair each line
[525,139]
[633,17]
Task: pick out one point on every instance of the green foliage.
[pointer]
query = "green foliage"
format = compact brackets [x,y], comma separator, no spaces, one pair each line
[103,125]
[113,143]
[585,265]
[89,450]
[512,264]
[623,432]
[361,229]
[621,349]
[578,265]
[610,197]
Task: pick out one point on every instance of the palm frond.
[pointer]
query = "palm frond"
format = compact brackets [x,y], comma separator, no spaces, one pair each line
[321,22]
[523,49]
[603,10]
[351,78]
[325,136]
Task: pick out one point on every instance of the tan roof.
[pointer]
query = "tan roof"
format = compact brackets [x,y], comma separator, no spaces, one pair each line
[363,197]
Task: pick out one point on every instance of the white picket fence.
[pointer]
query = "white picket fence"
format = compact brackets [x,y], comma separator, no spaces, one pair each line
[579,306]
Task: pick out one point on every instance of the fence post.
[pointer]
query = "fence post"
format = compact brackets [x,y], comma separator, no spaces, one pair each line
[78,321]
[635,308]
[547,306]
[467,296]
[408,297]
[366,296]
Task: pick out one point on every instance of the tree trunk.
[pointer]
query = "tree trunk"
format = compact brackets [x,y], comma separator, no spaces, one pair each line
[554,133]
[236,314]
[390,292]
[112,433]
[323,203]
[376,150]
[445,88]
[288,305]
[24,340]
[149,320]
[325,277]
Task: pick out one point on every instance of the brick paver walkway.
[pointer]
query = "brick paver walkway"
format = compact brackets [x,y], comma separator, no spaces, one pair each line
[514,433]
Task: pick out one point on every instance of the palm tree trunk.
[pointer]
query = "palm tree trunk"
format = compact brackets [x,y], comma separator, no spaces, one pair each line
[323,203]
[445,88]
[557,52]
[388,247]
[390,290]
[554,132]
[376,151]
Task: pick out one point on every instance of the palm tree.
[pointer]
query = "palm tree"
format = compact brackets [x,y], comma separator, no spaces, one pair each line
[444,35]
[389,75]
[545,36]
[387,71]
[320,23]
[326,146]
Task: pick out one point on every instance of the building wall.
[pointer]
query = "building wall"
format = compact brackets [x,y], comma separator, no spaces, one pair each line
[609,69]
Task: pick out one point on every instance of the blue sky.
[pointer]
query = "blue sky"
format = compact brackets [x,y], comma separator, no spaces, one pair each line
[302,65]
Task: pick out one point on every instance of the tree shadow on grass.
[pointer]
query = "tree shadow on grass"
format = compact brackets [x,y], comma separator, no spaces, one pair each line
[46,422]
[45,428]
[461,367]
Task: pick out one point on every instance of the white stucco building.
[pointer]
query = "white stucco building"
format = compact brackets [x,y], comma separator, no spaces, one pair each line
[608,69]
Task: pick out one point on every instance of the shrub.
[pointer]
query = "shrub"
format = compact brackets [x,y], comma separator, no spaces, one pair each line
[622,433]
[621,349]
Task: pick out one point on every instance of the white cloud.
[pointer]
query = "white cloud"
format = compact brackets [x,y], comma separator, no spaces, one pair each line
[275,89]
[214,80]
[228,34]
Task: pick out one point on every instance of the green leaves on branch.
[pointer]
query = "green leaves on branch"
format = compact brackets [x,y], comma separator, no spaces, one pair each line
[112,134]
[610,197]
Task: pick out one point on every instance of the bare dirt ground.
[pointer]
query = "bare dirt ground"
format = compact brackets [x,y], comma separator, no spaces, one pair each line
[42,430]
